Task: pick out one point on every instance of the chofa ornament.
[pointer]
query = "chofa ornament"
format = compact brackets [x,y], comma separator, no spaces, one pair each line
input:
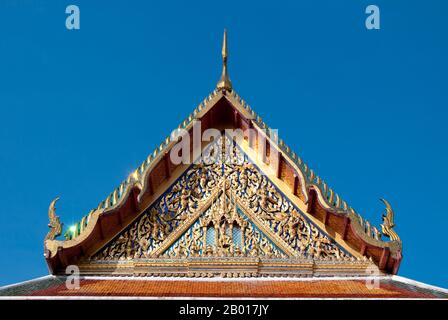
[388,222]
[55,224]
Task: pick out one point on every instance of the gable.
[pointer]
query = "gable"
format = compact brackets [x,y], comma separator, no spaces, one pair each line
[226,232]
[226,208]
[221,110]
[312,198]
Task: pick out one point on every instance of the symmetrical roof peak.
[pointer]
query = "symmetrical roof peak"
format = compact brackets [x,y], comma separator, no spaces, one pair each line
[224,107]
[224,83]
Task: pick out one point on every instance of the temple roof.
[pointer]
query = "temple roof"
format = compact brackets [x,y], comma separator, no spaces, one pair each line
[153,176]
[389,287]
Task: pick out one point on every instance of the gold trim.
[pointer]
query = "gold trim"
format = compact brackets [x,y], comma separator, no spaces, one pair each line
[141,178]
[55,224]
[279,242]
[188,222]
[224,83]
[388,222]
[229,267]
[394,245]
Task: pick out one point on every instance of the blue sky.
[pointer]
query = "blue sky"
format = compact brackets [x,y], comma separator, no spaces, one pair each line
[366,109]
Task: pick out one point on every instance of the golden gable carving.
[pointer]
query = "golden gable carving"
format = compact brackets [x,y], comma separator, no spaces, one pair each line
[207,195]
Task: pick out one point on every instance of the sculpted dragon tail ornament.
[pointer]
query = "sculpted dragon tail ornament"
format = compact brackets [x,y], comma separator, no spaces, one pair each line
[388,223]
[55,224]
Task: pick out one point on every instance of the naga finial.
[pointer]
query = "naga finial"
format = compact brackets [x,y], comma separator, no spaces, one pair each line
[55,224]
[224,83]
[388,222]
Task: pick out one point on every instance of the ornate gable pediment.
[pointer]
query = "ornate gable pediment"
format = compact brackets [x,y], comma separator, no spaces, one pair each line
[223,231]
[142,220]
[225,209]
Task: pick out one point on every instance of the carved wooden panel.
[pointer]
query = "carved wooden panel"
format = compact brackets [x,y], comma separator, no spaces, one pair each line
[217,199]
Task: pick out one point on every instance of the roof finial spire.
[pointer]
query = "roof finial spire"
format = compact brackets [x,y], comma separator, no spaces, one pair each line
[224,83]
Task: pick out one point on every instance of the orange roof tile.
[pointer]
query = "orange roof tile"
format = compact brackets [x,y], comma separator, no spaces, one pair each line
[230,288]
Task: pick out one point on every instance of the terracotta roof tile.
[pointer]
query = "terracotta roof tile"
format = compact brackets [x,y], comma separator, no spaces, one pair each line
[252,288]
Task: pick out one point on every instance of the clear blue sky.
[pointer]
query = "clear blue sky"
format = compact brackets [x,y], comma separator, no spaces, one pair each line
[79,110]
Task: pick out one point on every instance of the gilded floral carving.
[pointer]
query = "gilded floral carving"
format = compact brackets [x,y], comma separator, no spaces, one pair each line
[222,229]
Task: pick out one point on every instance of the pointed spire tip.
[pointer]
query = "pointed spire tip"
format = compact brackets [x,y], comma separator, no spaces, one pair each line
[224,82]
